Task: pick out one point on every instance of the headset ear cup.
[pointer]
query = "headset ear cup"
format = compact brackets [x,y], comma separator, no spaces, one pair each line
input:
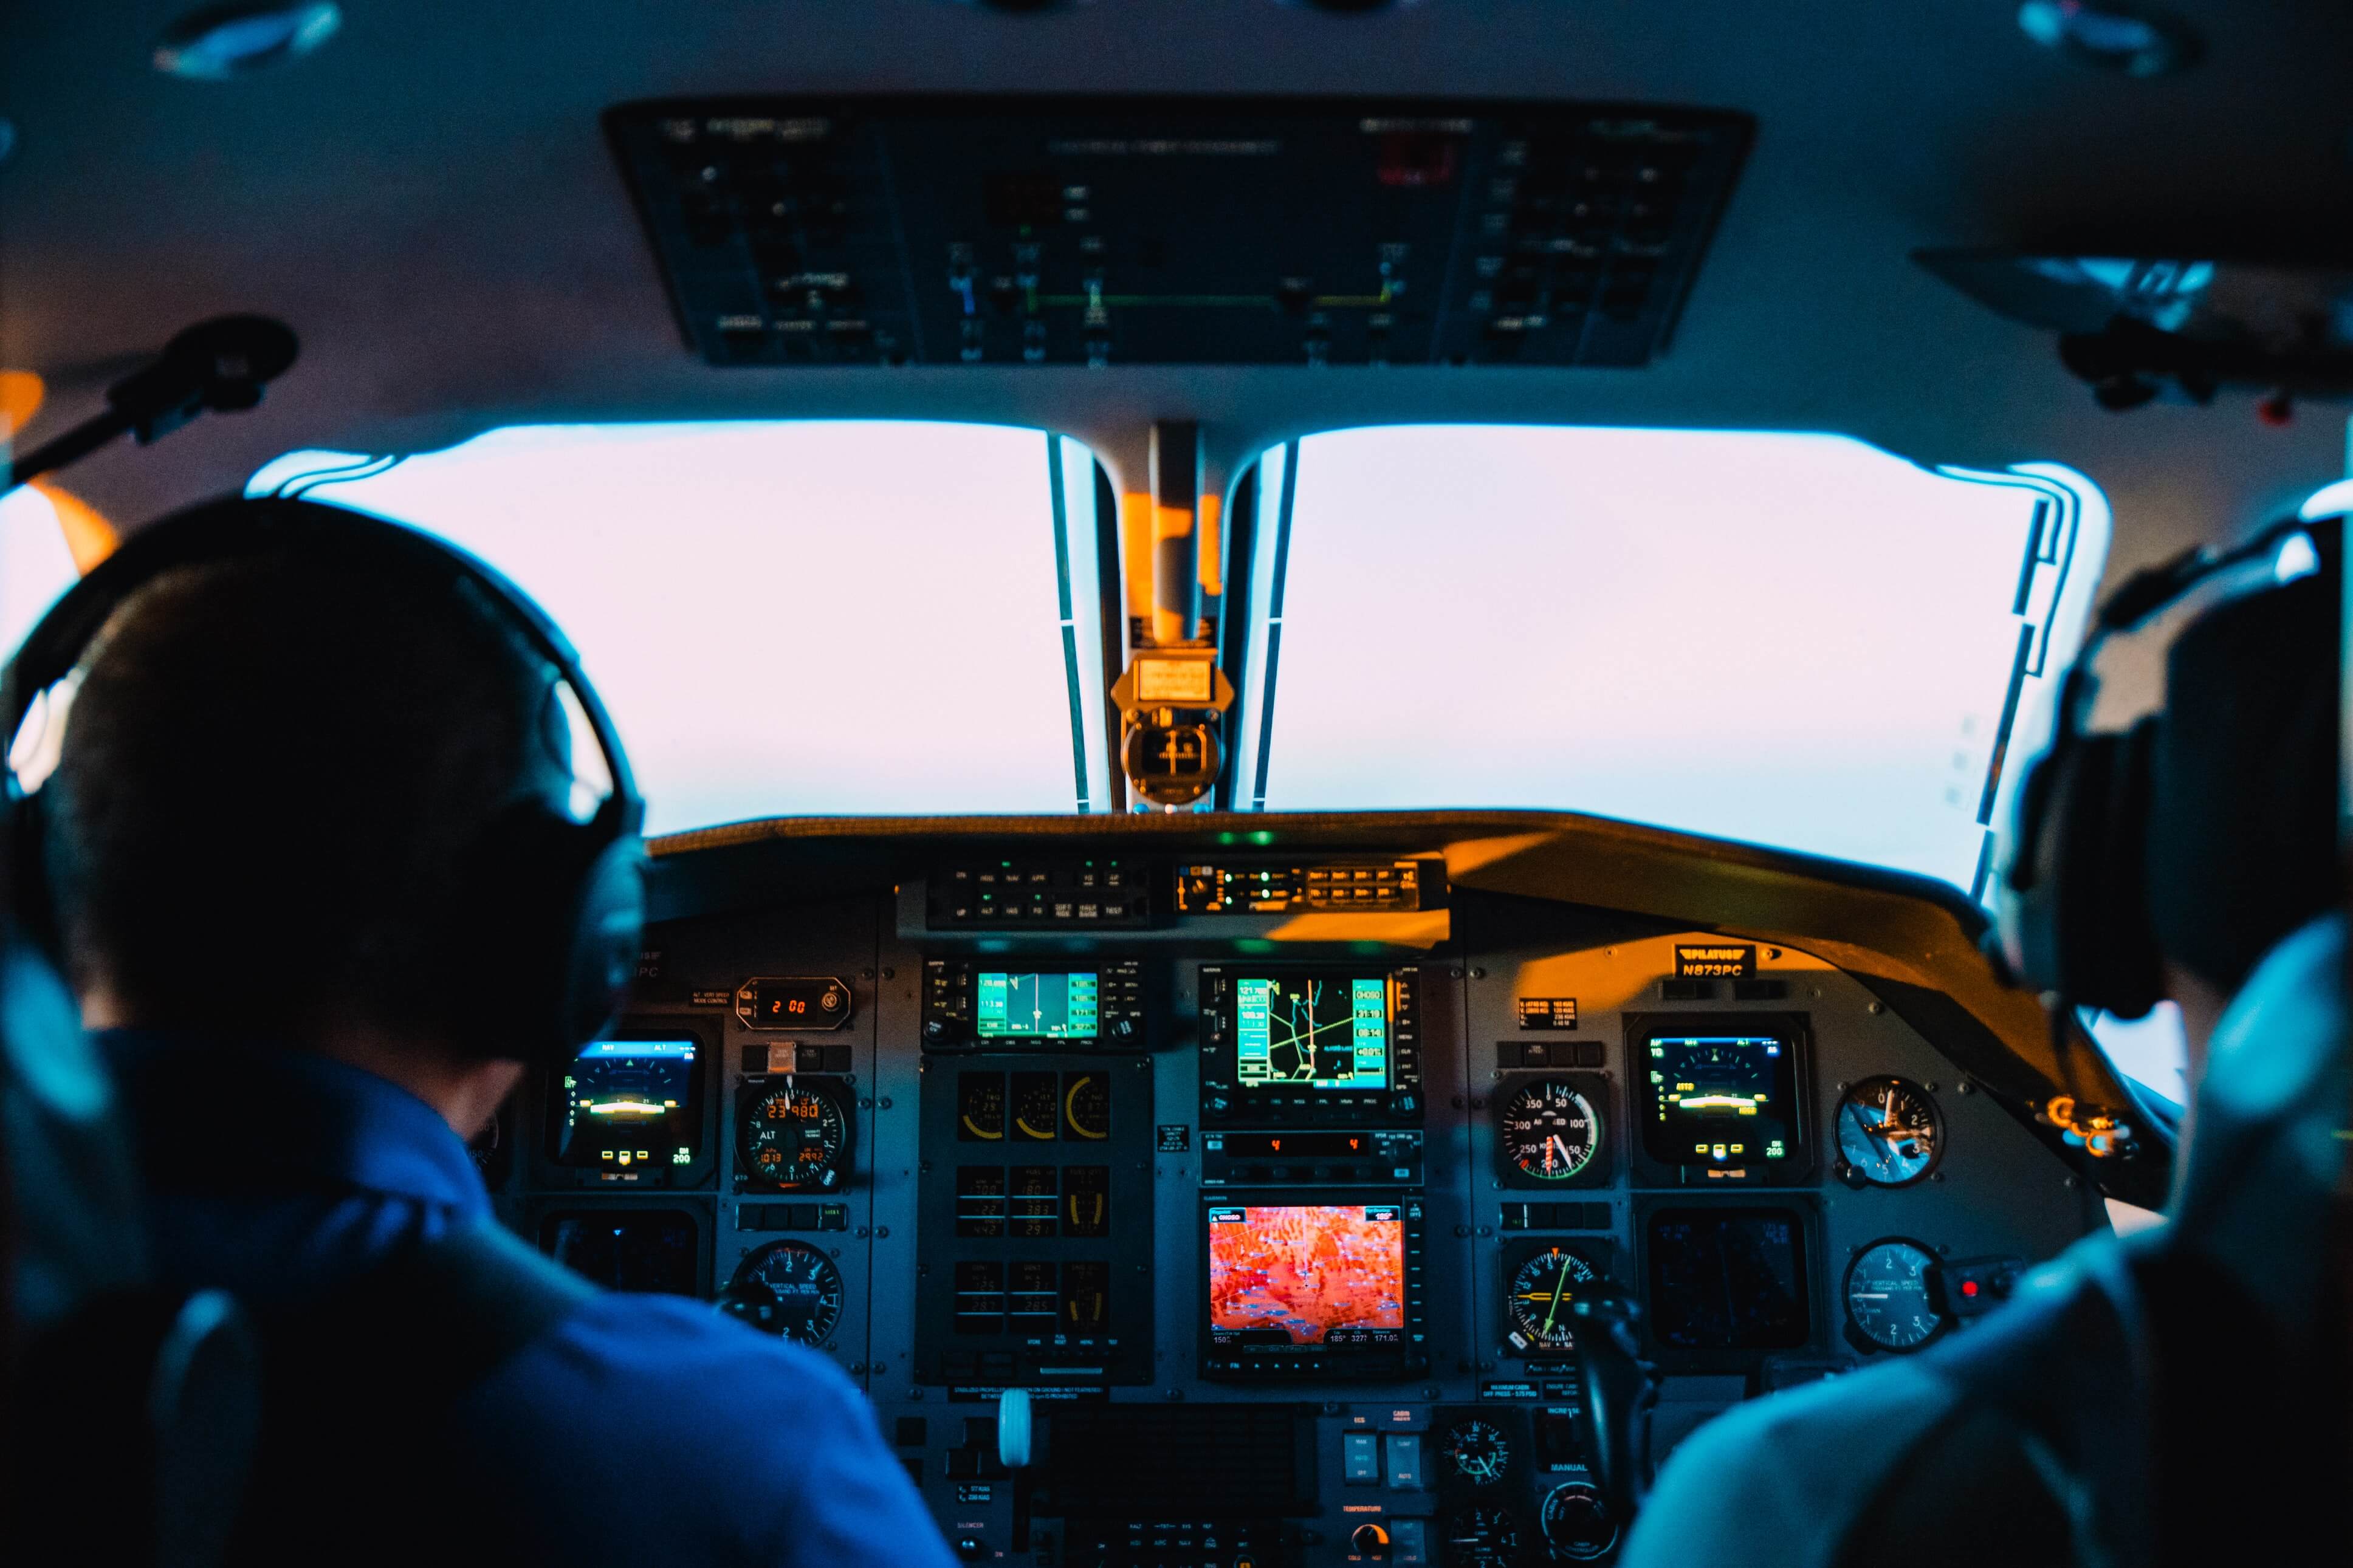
[607,927]
[546,941]
[2124,967]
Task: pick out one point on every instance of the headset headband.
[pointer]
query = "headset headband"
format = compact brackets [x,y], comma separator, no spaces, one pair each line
[239,529]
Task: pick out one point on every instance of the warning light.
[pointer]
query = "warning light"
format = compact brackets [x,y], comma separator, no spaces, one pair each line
[1968,1287]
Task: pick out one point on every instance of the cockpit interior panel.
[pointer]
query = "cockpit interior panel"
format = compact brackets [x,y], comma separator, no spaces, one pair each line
[1266,1181]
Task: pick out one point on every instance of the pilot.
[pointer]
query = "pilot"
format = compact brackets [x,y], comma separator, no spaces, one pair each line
[2182,1396]
[263,840]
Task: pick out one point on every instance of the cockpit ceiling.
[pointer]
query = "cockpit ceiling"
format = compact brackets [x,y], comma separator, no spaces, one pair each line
[430,201]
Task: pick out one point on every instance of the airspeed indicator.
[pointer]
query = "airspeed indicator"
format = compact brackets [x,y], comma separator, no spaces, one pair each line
[1548,1130]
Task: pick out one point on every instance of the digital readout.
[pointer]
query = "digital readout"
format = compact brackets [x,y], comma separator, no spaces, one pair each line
[1720,1099]
[1311,1032]
[629,1103]
[1034,1006]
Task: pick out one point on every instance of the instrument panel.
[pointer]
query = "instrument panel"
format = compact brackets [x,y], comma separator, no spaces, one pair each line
[1276,1213]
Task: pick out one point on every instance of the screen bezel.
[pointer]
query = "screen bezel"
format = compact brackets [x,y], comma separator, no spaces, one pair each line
[552,1115]
[1058,1042]
[1795,1032]
[1221,1051]
[1368,1363]
[1806,1212]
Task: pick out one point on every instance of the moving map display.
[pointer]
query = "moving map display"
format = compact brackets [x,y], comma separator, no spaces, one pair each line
[1036,1006]
[1307,1277]
[1312,1032]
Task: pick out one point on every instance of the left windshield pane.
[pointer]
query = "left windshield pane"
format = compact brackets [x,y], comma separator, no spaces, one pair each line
[788,619]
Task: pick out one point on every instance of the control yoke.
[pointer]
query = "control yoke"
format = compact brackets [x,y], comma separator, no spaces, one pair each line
[1619,1389]
[221,365]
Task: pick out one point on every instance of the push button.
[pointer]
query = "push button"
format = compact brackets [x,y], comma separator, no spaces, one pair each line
[1360,1458]
[1404,1462]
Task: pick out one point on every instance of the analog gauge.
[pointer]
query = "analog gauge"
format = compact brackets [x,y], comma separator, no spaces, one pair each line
[1477,1453]
[793,1136]
[980,1107]
[786,1287]
[1539,1297]
[1889,1132]
[1887,1295]
[1086,1105]
[1576,1523]
[1037,1106]
[1483,1538]
[1549,1131]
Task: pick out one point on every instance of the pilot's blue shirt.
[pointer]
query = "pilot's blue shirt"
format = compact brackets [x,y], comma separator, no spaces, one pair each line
[638,1429]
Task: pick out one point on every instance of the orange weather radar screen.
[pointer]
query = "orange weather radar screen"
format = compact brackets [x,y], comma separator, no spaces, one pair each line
[1313,1275]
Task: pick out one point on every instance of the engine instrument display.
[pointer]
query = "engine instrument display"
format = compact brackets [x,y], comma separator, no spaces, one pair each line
[786,1287]
[1890,1133]
[1729,1277]
[1720,1096]
[1537,1298]
[792,1136]
[1548,1131]
[1034,1006]
[1330,1286]
[1576,1522]
[624,1105]
[1312,1032]
[1477,1452]
[1888,1304]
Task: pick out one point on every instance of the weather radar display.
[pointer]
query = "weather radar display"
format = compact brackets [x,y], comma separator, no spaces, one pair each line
[1307,1275]
[1036,1006]
[1312,1032]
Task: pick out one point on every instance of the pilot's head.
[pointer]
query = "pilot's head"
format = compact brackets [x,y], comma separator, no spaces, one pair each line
[2166,860]
[2242,846]
[270,772]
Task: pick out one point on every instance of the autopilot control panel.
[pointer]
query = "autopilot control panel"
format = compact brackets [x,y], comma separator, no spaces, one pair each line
[1271,1199]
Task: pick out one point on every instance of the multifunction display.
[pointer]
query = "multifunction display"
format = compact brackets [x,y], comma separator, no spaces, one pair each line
[631,1111]
[1322,1032]
[973,1005]
[1721,1092]
[1332,1289]
[1728,1279]
[1011,1006]
[1296,1042]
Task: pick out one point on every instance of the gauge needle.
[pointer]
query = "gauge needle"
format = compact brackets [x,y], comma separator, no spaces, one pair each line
[1553,1311]
[1550,1144]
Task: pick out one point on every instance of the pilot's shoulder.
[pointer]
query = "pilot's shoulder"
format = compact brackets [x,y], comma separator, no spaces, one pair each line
[1791,1469]
[663,1360]
[627,1394]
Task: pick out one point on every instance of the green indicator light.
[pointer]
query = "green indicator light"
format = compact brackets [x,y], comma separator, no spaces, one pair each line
[1261,837]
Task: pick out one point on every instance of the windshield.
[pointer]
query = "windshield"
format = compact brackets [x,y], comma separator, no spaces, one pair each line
[793,617]
[1798,640]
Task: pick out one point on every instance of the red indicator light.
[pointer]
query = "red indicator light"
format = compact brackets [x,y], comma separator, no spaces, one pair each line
[1968,1287]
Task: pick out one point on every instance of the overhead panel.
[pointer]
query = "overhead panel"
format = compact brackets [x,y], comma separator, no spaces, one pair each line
[892,231]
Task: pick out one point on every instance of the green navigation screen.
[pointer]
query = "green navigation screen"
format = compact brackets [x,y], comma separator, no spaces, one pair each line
[1036,1006]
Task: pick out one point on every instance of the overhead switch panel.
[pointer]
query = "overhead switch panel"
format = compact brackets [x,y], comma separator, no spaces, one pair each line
[1010,231]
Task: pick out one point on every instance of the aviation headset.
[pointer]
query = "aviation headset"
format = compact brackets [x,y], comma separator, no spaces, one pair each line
[2073,909]
[549,910]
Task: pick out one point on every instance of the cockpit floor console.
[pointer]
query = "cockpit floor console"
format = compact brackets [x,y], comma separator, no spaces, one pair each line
[1074,231]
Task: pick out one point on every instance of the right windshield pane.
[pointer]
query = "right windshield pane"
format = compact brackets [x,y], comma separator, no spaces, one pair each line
[1797,640]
